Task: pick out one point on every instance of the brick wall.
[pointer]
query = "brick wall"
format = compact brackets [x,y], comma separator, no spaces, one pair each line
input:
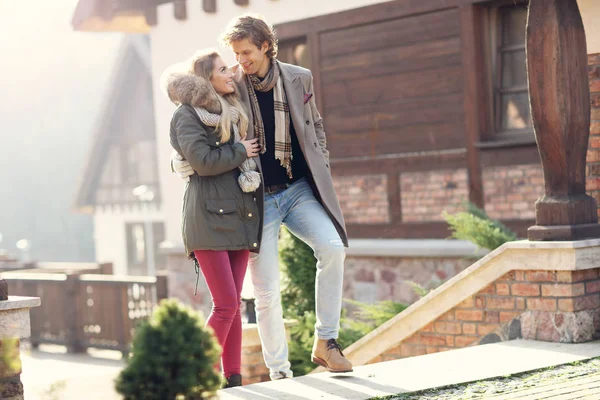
[253,368]
[556,306]
[424,195]
[363,198]
[511,191]
[593,155]
[372,279]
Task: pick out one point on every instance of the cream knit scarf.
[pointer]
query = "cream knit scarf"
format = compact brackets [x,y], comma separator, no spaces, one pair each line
[249,179]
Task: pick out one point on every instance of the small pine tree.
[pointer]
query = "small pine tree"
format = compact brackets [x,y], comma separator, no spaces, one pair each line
[298,265]
[366,318]
[302,336]
[477,227]
[173,357]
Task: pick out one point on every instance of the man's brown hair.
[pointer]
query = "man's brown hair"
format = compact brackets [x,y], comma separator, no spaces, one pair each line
[251,27]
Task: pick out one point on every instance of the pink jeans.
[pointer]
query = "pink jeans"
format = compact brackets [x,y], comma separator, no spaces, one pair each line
[224,273]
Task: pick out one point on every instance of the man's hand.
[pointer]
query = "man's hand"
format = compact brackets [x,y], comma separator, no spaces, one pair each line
[181,167]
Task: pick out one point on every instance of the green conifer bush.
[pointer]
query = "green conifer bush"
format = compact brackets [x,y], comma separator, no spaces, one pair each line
[172,357]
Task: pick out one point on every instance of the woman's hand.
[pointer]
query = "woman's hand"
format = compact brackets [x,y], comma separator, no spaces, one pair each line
[252,147]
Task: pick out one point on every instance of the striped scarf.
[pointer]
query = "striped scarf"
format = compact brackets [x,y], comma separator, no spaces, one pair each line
[283,139]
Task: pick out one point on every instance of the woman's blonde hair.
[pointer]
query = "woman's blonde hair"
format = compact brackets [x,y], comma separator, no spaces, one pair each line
[202,64]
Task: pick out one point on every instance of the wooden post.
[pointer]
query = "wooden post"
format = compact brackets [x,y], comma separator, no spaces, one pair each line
[72,325]
[180,10]
[151,15]
[162,291]
[209,6]
[560,108]
[3,290]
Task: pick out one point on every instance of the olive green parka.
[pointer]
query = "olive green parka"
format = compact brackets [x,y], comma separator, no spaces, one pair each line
[216,213]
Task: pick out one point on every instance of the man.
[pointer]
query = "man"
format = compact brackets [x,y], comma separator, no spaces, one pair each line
[297,190]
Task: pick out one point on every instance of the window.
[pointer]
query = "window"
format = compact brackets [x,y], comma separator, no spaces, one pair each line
[137,252]
[509,101]
[127,166]
[294,51]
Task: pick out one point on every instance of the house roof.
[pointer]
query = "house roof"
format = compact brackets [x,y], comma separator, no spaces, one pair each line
[133,59]
[132,16]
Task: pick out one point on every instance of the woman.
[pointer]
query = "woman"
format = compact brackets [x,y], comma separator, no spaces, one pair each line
[220,215]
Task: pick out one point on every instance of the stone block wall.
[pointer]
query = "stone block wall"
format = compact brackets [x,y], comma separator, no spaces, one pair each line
[555,306]
[372,279]
[593,155]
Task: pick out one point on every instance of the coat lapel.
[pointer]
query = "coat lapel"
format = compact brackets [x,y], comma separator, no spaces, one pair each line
[295,96]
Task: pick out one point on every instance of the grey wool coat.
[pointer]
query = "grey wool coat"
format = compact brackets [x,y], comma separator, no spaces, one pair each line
[216,213]
[308,123]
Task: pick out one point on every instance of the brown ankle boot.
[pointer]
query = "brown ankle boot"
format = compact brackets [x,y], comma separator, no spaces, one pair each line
[328,354]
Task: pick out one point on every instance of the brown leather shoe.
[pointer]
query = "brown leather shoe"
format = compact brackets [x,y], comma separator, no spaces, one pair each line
[328,354]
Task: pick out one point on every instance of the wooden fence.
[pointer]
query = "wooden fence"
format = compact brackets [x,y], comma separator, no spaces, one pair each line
[87,310]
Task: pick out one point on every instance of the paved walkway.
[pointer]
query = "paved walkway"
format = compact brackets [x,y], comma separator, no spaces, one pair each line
[49,374]
[424,372]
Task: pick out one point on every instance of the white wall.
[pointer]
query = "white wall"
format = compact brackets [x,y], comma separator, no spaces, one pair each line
[109,233]
[174,41]
[590,13]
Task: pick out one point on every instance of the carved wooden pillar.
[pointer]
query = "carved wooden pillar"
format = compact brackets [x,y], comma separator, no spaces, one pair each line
[560,109]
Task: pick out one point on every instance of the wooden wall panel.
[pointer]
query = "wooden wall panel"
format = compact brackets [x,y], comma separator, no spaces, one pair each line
[393,86]
[422,125]
[382,35]
[383,89]
[398,163]
[422,55]
[386,141]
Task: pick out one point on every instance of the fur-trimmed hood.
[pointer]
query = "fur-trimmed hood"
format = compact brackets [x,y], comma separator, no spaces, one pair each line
[186,88]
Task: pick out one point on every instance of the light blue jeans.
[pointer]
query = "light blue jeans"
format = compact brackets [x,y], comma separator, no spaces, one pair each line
[297,209]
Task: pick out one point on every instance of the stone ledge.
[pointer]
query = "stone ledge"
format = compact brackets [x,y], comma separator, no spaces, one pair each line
[15,323]
[520,255]
[15,302]
[250,333]
[387,248]
[413,248]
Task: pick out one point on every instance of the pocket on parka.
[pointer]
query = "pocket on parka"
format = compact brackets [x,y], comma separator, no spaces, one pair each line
[222,215]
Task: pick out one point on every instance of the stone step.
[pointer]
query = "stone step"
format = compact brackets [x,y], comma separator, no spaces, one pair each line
[422,372]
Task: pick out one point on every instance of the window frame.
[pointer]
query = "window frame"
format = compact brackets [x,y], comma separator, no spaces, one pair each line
[294,41]
[494,135]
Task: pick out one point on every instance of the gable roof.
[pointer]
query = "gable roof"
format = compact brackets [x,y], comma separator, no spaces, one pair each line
[132,16]
[133,59]
[115,15]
